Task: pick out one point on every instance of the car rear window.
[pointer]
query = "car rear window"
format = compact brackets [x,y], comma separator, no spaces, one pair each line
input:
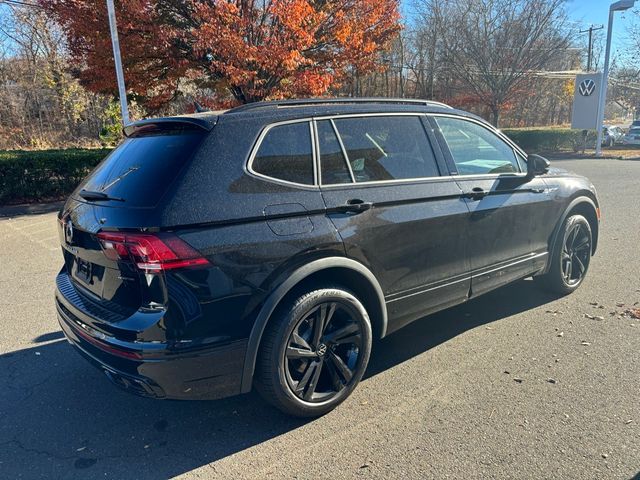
[141,169]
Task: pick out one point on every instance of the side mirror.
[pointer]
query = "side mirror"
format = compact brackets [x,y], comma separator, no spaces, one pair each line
[537,165]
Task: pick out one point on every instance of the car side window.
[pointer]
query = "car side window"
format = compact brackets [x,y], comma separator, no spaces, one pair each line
[475,149]
[334,166]
[387,148]
[285,154]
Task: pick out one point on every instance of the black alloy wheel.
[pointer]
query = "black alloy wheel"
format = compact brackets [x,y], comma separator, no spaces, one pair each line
[314,353]
[322,352]
[576,253]
[570,257]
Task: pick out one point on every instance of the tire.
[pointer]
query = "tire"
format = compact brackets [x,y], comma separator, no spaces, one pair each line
[572,249]
[308,372]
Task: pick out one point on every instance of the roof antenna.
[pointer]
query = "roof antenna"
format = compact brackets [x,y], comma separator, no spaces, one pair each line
[199,108]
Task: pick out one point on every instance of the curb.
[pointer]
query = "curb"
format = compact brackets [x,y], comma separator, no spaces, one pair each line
[8,211]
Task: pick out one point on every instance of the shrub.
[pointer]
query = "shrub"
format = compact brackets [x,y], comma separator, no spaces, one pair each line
[44,174]
[548,139]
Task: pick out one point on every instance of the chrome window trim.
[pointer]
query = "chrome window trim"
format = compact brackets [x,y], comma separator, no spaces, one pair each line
[440,178]
[316,157]
[248,167]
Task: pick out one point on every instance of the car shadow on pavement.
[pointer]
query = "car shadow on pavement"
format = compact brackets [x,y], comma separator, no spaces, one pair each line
[428,332]
[59,417]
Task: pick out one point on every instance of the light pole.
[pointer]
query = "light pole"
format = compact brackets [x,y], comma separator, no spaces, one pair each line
[122,92]
[615,7]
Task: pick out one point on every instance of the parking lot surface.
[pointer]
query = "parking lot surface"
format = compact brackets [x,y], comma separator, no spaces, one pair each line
[515,384]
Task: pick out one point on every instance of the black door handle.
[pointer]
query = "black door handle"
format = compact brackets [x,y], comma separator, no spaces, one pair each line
[476,193]
[355,205]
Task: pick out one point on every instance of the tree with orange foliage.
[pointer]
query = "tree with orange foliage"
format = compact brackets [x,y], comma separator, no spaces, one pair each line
[242,50]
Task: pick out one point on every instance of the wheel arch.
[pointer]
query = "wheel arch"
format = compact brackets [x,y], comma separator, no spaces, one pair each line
[334,270]
[586,207]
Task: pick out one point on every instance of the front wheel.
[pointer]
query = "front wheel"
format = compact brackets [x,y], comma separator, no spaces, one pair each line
[314,352]
[571,257]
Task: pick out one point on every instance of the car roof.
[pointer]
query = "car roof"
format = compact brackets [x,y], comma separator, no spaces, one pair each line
[305,108]
[276,111]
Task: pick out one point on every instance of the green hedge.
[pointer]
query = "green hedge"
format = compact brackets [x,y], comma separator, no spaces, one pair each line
[27,176]
[548,139]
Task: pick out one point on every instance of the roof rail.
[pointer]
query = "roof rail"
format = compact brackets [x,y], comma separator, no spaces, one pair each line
[333,101]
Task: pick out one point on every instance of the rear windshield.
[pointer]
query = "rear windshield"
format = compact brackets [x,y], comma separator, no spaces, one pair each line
[140,169]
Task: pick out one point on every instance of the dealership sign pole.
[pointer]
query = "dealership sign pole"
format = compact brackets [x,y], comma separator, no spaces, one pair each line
[116,56]
[602,98]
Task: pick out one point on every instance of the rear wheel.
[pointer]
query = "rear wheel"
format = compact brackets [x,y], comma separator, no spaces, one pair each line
[571,257]
[314,352]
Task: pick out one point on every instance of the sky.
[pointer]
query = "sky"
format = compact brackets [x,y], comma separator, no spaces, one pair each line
[587,12]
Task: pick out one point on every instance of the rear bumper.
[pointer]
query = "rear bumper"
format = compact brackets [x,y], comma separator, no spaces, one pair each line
[156,369]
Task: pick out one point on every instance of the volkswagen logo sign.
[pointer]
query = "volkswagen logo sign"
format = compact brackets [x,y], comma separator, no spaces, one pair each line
[68,231]
[322,350]
[587,87]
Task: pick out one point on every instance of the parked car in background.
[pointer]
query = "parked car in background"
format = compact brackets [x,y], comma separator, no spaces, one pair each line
[611,135]
[269,245]
[632,137]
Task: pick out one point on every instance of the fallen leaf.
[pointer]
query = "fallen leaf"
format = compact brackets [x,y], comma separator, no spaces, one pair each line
[604,455]
[628,422]
[552,380]
[518,380]
[586,344]
[561,334]
[633,312]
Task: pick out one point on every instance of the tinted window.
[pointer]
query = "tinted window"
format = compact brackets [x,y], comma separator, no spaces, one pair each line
[285,154]
[333,164]
[140,169]
[475,149]
[387,148]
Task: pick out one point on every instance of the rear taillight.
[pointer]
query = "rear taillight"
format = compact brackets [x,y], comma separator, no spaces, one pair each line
[150,252]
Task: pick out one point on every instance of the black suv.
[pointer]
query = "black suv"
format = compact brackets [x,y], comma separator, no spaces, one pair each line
[270,244]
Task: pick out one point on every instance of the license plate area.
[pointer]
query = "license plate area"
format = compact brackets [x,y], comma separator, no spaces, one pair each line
[84,270]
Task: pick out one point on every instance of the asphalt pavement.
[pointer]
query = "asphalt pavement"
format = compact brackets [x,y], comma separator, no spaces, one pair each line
[516,384]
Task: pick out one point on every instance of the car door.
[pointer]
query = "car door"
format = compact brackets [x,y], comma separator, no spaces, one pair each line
[506,207]
[381,181]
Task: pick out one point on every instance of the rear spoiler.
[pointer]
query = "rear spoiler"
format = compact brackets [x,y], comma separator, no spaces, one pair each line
[170,125]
